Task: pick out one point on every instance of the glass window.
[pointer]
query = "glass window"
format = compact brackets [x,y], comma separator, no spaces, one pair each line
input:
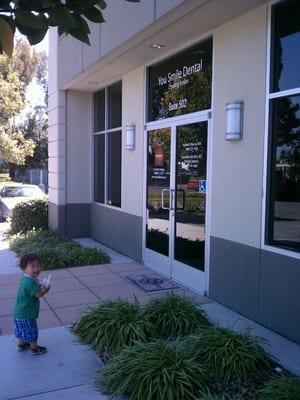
[99,165]
[115,105]
[182,83]
[284,226]
[99,111]
[114,168]
[108,145]
[286,46]
[283,201]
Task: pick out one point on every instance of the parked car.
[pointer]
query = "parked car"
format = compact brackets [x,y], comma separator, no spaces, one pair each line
[11,195]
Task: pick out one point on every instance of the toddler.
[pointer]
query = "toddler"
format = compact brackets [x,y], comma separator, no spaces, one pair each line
[27,305]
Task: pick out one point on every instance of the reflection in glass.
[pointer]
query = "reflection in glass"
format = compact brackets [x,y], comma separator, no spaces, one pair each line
[99,167]
[158,179]
[182,83]
[286,45]
[285,173]
[115,105]
[191,154]
[114,146]
[99,111]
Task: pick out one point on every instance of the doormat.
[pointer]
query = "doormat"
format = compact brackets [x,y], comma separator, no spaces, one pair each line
[151,283]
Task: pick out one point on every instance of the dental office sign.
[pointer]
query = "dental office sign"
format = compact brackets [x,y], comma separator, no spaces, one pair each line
[181,84]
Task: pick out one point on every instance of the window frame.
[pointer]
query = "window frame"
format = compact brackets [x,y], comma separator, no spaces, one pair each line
[266,244]
[106,132]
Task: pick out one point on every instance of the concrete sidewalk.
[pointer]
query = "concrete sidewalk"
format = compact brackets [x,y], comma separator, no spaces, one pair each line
[65,372]
[8,259]
[75,289]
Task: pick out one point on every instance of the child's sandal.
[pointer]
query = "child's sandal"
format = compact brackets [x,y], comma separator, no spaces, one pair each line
[23,347]
[39,350]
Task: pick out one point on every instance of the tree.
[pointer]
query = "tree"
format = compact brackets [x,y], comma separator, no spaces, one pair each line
[35,128]
[42,74]
[15,75]
[34,17]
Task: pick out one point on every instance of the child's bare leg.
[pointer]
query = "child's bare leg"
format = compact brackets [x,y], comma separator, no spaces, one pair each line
[33,345]
[22,345]
[37,349]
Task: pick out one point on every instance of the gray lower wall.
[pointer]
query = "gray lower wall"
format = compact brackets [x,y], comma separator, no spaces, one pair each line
[261,285]
[72,220]
[56,218]
[78,217]
[118,230]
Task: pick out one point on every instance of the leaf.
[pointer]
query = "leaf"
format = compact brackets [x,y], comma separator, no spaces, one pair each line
[81,6]
[102,4]
[34,36]
[82,25]
[94,15]
[5,5]
[62,17]
[78,34]
[6,37]
[34,5]
[30,20]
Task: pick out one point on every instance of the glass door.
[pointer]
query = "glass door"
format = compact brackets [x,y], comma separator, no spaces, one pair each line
[190,204]
[175,242]
[158,199]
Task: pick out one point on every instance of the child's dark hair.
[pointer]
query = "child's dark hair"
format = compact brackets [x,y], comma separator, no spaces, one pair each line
[29,258]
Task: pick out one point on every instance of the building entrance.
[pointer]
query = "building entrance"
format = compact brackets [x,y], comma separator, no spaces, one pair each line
[176,197]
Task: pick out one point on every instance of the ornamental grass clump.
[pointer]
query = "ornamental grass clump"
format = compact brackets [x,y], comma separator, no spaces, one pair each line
[154,371]
[283,388]
[228,355]
[175,316]
[56,251]
[113,324]
[211,396]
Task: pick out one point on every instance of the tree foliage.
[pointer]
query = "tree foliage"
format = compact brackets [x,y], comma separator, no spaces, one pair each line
[15,75]
[35,128]
[34,17]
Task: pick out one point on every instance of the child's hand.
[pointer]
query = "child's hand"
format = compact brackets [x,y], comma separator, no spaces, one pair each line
[43,291]
[46,289]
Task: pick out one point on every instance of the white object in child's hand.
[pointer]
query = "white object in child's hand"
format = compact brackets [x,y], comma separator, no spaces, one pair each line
[47,282]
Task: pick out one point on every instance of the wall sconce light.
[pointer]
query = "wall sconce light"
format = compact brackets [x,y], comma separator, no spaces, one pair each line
[130,137]
[234,120]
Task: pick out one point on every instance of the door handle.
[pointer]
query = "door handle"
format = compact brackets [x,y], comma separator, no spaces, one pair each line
[163,199]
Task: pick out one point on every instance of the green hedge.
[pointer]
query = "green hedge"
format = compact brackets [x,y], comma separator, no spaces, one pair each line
[29,215]
[56,251]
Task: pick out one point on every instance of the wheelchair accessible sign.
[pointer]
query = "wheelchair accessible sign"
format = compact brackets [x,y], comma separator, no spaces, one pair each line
[202,186]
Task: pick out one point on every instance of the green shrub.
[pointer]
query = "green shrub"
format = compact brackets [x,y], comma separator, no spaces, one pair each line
[114,324]
[175,316]
[228,355]
[211,396]
[283,388]
[24,242]
[154,371]
[29,215]
[56,251]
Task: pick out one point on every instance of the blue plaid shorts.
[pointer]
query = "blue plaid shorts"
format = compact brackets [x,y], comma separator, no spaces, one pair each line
[26,329]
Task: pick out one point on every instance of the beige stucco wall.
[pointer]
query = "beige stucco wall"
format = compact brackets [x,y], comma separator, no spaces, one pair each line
[237,167]
[79,183]
[132,160]
[123,21]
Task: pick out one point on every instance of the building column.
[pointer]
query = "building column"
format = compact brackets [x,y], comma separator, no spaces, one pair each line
[57,140]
